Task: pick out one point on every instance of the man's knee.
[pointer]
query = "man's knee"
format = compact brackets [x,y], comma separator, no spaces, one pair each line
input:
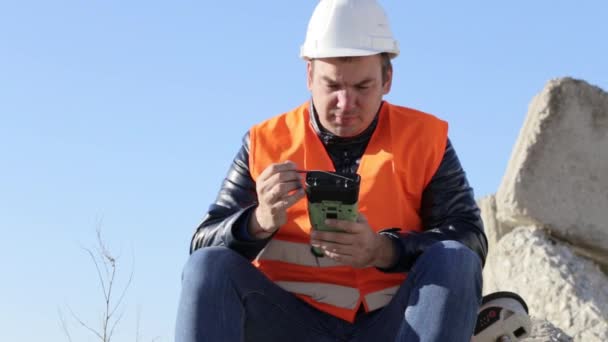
[453,257]
[210,261]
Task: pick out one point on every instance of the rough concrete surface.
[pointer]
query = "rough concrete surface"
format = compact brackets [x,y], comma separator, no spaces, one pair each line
[558,285]
[558,172]
[494,229]
[544,331]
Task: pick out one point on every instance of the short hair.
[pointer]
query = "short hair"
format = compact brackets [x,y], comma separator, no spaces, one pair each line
[387,65]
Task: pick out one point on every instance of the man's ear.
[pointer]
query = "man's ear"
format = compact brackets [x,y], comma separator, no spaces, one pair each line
[386,87]
[309,74]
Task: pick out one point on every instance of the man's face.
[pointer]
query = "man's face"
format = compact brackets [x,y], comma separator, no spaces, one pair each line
[347,92]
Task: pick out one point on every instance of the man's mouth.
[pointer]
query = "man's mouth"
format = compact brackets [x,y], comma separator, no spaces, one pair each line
[344,119]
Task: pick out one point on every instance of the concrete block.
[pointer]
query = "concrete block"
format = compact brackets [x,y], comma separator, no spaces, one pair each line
[545,331]
[493,228]
[558,285]
[558,172]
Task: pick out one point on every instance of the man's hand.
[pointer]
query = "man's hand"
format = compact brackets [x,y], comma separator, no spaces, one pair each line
[278,187]
[358,245]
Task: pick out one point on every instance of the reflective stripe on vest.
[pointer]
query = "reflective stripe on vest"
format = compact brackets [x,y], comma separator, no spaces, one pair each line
[378,299]
[340,296]
[336,295]
[399,161]
[293,253]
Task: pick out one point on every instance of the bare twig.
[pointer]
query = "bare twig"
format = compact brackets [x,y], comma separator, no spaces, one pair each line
[137,323]
[84,325]
[124,292]
[99,275]
[64,325]
[106,266]
[115,324]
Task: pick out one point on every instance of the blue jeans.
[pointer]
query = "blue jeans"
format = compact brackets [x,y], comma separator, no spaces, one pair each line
[225,298]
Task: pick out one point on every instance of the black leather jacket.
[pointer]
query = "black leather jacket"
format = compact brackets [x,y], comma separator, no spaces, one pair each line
[448,209]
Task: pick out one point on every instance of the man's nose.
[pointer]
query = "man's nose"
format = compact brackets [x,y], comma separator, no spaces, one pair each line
[346,99]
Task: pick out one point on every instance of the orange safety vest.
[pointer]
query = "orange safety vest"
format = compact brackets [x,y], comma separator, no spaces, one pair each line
[401,158]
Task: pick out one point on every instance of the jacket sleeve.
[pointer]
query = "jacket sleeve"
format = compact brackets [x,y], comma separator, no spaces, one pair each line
[448,211]
[225,223]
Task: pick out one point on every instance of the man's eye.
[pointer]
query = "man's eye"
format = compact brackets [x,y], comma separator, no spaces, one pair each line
[362,87]
[333,86]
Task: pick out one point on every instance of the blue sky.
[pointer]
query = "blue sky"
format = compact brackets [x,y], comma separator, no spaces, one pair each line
[127,115]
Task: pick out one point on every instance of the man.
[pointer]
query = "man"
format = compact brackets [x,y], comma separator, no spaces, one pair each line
[409,268]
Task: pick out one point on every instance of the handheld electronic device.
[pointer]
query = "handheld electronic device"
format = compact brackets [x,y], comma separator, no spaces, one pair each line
[331,195]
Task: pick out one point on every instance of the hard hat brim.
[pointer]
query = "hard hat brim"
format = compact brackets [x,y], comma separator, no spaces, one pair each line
[343,52]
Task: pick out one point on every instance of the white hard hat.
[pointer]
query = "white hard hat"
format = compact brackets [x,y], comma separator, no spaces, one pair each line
[346,28]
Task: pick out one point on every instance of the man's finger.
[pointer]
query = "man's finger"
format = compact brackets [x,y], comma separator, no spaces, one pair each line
[273,192]
[345,226]
[362,219]
[284,176]
[333,247]
[276,168]
[336,237]
[340,258]
[289,200]
[281,191]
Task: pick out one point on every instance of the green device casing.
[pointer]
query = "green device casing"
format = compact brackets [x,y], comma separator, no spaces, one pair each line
[331,195]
